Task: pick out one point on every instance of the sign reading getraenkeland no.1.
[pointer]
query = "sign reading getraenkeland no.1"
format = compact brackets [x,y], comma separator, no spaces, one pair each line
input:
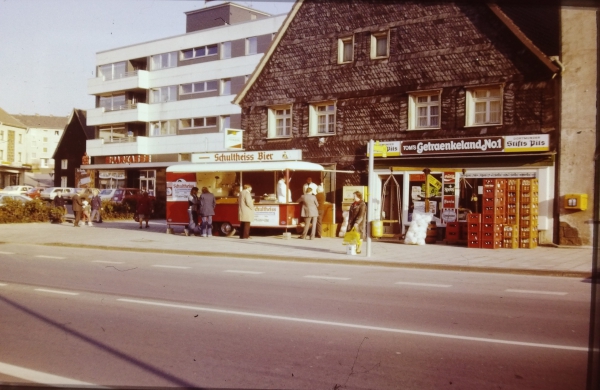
[256,156]
[484,144]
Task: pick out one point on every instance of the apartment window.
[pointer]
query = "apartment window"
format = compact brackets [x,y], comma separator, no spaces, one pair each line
[110,103]
[225,122]
[322,118]
[380,44]
[63,181]
[164,94]
[45,150]
[165,60]
[226,87]
[113,71]
[112,133]
[484,106]
[251,45]
[225,50]
[64,163]
[163,128]
[56,132]
[45,139]
[2,135]
[203,86]
[345,50]
[202,51]
[280,121]
[20,138]
[1,154]
[424,110]
[194,123]
[19,157]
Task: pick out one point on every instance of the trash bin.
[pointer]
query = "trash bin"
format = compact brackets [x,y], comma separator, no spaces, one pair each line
[376,229]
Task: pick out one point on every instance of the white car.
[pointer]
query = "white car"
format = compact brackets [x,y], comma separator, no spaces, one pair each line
[18,197]
[50,192]
[16,190]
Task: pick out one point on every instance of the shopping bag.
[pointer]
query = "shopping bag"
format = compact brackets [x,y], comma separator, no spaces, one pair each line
[351,238]
[136,217]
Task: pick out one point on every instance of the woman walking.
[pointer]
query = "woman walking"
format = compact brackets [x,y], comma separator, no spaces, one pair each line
[192,211]
[356,218]
[245,211]
[206,211]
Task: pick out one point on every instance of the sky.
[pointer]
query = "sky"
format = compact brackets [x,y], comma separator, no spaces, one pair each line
[49,46]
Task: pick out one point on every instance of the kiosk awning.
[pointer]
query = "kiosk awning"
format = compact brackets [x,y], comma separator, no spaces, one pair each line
[246,166]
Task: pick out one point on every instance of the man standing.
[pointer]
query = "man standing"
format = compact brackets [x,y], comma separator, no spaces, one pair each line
[310,212]
[96,203]
[59,202]
[206,211]
[309,184]
[282,189]
[245,211]
[321,202]
[77,208]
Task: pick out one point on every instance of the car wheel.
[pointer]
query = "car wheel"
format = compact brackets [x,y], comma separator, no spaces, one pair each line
[226,229]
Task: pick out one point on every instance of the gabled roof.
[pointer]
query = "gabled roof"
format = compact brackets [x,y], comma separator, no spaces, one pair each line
[500,13]
[9,120]
[43,121]
[79,118]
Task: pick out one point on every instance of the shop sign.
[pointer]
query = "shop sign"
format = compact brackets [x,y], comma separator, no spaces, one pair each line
[435,183]
[449,215]
[393,149]
[527,143]
[131,159]
[449,202]
[420,206]
[119,175]
[180,189]
[234,139]
[267,215]
[449,177]
[499,175]
[449,189]
[266,155]
[444,146]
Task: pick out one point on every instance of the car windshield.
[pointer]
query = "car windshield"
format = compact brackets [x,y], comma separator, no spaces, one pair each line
[10,188]
[107,191]
[48,190]
[119,192]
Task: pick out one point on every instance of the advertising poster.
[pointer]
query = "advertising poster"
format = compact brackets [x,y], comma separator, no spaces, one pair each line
[179,186]
[267,215]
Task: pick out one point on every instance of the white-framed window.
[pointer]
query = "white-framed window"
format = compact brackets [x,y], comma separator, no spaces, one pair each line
[148,181]
[251,45]
[45,150]
[280,121]
[345,49]
[321,118]
[226,87]
[45,139]
[201,51]
[20,138]
[56,132]
[194,123]
[64,163]
[201,86]
[162,61]
[112,133]
[380,44]
[225,122]
[19,157]
[163,128]
[484,105]
[63,181]
[113,71]
[164,94]
[1,155]
[225,50]
[111,103]
[424,110]
[2,135]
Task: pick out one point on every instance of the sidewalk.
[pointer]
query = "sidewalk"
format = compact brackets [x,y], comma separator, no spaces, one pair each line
[126,236]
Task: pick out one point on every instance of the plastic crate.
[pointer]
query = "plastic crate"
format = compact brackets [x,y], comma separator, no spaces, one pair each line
[492,227]
[492,244]
[474,217]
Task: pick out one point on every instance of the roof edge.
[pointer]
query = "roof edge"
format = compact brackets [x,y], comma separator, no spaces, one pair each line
[263,61]
[508,22]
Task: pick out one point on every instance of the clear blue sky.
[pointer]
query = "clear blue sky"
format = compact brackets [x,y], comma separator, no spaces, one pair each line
[49,46]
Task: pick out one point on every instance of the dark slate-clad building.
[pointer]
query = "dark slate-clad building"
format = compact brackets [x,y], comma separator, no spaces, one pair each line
[460,89]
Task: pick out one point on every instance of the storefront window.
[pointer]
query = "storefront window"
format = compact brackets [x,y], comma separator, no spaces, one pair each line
[148,181]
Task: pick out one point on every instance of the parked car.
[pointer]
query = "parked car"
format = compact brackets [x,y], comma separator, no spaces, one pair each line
[117,195]
[16,190]
[18,197]
[35,192]
[83,192]
[50,192]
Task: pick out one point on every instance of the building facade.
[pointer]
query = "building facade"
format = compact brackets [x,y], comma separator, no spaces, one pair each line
[13,150]
[158,102]
[468,91]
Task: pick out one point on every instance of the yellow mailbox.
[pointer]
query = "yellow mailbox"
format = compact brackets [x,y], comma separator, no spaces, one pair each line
[576,201]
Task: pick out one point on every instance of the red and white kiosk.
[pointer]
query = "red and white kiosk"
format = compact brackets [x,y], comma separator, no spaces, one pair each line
[223,173]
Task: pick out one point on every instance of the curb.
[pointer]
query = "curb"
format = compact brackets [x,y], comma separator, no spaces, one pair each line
[374,263]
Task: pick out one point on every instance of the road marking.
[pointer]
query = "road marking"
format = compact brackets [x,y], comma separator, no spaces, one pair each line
[536,292]
[3,284]
[41,377]
[325,277]
[107,262]
[56,291]
[7,253]
[243,272]
[425,284]
[171,266]
[354,326]
[50,257]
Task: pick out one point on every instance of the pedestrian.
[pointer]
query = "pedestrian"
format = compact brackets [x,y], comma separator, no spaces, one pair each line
[356,218]
[310,212]
[283,187]
[309,184]
[245,211]
[87,212]
[77,208]
[206,212]
[321,201]
[59,202]
[144,209]
[96,203]
[193,204]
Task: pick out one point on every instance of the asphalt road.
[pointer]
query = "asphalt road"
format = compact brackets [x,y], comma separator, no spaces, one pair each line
[80,317]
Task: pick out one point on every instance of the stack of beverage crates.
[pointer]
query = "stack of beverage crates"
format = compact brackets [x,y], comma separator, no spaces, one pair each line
[510,215]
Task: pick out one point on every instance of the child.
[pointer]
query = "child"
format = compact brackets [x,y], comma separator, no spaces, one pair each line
[87,210]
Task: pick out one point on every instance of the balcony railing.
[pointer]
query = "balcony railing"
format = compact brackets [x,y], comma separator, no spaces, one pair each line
[120,75]
[127,106]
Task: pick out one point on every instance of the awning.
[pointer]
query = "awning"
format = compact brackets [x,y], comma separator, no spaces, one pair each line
[246,167]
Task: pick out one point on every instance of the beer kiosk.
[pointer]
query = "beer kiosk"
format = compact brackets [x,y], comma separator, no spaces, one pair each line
[223,173]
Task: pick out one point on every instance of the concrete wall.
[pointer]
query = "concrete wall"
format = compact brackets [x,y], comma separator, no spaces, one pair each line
[578,120]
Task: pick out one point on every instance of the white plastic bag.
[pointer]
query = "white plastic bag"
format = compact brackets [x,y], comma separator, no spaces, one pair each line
[417,231]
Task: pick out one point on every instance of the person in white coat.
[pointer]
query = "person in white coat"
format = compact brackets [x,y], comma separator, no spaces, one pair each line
[282,186]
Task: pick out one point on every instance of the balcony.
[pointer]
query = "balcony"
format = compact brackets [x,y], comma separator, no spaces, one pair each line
[123,114]
[138,79]
[171,144]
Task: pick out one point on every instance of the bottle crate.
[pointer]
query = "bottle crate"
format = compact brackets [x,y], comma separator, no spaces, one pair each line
[493,218]
[474,217]
[528,221]
[463,230]
[528,232]
[492,227]
[451,236]
[452,227]
[473,243]
[492,244]
[528,243]
[512,219]
[492,236]
[493,201]
[512,185]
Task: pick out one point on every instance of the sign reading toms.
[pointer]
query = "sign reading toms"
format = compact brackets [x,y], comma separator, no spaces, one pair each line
[444,146]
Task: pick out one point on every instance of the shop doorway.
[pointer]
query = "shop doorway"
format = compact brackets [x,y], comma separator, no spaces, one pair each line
[391,205]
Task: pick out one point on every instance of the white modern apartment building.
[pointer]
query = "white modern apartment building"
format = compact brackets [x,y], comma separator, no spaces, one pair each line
[42,137]
[158,102]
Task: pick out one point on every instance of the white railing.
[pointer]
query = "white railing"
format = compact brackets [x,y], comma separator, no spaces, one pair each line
[127,106]
[120,75]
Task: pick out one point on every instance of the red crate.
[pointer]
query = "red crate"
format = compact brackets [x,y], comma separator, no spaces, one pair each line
[492,244]
[452,227]
[451,236]
[474,217]
[473,244]
[492,227]
[492,236]
[493,218]
[493,201]
[474,236]
[463,230]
